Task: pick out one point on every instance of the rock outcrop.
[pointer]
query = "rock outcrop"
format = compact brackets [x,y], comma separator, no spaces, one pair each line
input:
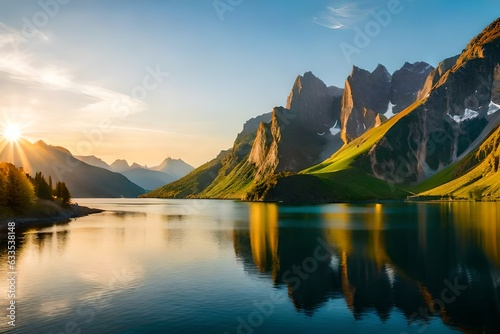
[313,103]
[370,98]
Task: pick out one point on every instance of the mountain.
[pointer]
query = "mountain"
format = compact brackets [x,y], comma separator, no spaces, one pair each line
[406,84]
[289,139]
[82,179]
[174,167]
[93,161]
[383,137]
[148,178]
[442,145]
[119,166]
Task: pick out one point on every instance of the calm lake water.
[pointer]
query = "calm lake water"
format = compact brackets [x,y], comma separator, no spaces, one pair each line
[199,266]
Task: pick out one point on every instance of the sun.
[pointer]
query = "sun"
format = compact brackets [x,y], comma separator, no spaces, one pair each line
[12,133]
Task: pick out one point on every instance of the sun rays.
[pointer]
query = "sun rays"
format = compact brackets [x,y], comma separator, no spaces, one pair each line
[12,133]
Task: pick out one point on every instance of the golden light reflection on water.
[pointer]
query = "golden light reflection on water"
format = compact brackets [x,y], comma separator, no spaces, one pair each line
[382,253]
[264,236]
[341,235]
[478,223]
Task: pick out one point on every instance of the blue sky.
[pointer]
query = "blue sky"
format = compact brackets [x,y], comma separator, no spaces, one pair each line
[227,61]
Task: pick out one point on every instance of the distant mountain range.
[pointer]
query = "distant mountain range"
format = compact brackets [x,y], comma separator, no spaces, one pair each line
[148,178]
[91,176]
[82,180]
[420,131]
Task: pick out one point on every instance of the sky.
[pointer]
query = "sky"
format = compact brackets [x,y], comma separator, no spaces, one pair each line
[144,80]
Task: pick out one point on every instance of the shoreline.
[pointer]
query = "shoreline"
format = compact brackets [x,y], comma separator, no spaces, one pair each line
[64,216]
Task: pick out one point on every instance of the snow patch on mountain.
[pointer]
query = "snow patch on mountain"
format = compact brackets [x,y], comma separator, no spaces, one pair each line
[335,129]
[389,113]
[468,114]
[493,108]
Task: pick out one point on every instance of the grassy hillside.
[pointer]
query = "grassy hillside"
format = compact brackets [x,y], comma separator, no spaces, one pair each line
[229,175]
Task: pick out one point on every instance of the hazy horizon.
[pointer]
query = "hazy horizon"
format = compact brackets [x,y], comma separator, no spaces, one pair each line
[110,79]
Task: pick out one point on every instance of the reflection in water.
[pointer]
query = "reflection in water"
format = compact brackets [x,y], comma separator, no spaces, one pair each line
[264,236]
[157,266]
[432,260]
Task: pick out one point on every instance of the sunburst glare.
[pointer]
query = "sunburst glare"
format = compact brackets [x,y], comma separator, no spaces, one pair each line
[12,133]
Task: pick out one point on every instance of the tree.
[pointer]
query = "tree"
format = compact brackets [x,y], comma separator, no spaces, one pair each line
[42,189]
[16,191]
[63,193]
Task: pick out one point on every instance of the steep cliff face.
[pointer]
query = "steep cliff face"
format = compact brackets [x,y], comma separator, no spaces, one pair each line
[313,102]
[457,115]
[300,135]
[370,98]
[406,83]
[264,154]
[365,96]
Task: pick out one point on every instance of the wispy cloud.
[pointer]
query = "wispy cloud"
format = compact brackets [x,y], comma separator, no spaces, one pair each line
[345,14]
[20,65]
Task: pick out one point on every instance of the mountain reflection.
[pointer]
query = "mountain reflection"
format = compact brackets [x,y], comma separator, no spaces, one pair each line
[427,261]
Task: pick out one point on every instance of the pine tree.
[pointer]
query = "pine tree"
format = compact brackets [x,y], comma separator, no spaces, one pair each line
[42,189]
[62,193]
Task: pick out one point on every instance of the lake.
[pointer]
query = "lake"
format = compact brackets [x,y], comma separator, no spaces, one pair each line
[207,266]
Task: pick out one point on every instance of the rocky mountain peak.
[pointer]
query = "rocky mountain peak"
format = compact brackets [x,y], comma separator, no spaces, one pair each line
[370,94]
[312,101]
[382,73]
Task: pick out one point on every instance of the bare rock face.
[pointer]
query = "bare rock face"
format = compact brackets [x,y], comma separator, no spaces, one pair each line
[368,95]
[264,154]
[313,102]
[365,95]
[406,83]
[435,75]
